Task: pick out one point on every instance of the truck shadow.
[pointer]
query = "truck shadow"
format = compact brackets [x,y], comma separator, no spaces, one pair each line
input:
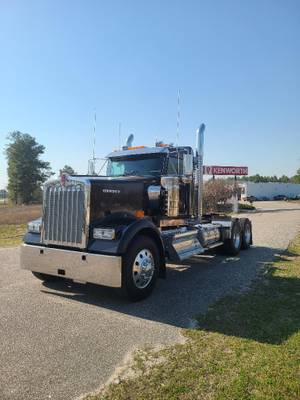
[188,291]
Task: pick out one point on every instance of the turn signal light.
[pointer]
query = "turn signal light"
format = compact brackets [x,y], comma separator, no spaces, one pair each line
[139,213]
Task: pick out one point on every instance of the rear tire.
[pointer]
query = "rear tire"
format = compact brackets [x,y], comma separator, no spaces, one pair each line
[45,277]
[233,245]
[140,268]
[246,235]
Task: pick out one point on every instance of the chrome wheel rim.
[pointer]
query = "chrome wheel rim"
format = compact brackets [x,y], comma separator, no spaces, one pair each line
[247,234]
[236,238]
[143,268]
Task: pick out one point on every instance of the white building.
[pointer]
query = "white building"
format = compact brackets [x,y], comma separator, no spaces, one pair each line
[268,190]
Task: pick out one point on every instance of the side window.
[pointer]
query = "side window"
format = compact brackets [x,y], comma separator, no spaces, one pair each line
[115,168]
[173,164]
[118,168]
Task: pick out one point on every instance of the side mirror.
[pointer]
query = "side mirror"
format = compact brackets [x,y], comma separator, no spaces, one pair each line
[187,164]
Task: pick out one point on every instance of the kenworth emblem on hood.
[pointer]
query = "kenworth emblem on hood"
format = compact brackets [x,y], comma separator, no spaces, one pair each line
[63,179]
[115,191]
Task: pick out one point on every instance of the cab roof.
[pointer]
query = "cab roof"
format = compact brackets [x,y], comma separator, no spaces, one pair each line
[148,150]
[140,151]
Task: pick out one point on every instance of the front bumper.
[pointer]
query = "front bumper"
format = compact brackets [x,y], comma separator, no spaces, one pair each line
[79,266]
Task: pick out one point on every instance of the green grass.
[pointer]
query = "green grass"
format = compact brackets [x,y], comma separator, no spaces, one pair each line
[246,206]
[247,347]
[11,235]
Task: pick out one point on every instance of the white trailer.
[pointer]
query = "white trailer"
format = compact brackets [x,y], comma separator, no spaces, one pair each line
[269,190]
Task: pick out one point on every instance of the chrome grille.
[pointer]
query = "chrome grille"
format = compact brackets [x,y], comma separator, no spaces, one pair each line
[64,219]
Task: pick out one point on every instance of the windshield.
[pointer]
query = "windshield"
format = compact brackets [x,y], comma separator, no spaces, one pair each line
[143,165]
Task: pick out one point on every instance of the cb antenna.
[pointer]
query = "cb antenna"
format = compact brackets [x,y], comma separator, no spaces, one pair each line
[178,117]
[94,139]
[93,169]
[178,128]
[120,129]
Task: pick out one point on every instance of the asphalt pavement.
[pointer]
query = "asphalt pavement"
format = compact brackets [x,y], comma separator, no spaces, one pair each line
[60,341]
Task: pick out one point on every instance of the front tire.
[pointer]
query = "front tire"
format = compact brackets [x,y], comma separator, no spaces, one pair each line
[140,268]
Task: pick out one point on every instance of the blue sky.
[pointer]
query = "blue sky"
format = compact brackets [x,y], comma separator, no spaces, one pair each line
[236,63]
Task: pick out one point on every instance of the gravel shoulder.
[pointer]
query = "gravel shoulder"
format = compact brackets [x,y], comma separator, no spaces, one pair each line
[62,341]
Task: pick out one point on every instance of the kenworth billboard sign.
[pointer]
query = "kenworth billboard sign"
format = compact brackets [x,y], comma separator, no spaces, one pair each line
[224,170]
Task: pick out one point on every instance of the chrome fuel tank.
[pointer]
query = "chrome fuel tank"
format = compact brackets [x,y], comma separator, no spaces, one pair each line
[208,233]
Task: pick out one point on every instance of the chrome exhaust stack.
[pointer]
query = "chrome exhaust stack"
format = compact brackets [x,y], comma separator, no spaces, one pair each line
[129,141]
[199,154]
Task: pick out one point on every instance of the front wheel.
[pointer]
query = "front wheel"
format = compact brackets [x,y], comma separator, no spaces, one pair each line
[140,268]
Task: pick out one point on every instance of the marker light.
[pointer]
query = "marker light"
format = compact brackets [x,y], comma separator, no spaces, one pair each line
[140,214]
[136,147]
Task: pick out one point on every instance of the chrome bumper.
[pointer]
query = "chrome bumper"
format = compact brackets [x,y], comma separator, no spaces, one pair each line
[79,266]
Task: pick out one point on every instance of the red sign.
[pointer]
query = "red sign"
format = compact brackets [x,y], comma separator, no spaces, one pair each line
[222,170]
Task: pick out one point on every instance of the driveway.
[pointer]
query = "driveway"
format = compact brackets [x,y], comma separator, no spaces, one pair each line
[62,340]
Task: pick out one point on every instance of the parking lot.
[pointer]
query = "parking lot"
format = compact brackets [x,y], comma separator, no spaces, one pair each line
[60,341]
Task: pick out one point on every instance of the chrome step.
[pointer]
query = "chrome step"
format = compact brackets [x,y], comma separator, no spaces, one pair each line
[185,245]
[213,245]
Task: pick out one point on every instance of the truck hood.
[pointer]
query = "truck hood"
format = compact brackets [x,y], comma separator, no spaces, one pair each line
[110,195]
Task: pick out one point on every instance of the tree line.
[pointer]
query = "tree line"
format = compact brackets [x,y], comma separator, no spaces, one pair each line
[283,179]
[26,170]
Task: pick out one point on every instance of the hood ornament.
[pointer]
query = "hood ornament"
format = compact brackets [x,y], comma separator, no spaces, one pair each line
[64,179]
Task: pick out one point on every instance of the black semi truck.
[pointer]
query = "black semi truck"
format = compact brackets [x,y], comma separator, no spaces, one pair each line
[119,230]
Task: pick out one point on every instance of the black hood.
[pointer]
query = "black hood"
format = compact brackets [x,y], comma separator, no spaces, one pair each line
[119,194]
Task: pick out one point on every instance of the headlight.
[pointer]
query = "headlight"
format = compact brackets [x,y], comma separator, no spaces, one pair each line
[104,233]
[35,226]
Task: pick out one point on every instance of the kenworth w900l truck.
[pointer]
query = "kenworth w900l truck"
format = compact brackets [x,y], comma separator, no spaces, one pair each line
[120,229]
